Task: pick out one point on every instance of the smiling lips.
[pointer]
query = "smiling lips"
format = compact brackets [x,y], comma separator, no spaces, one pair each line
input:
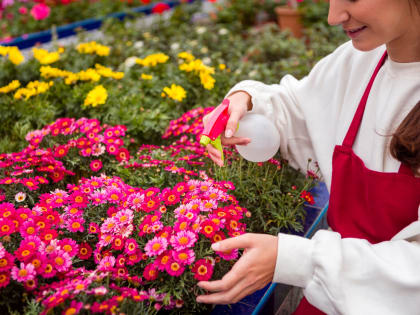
[355,31]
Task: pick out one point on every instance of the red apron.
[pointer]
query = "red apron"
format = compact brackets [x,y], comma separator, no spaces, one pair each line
[364,203]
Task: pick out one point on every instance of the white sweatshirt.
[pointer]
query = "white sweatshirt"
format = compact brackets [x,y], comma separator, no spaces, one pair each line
[345,276]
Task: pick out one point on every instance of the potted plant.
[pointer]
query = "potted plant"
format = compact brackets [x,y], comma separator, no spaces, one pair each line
[288,17]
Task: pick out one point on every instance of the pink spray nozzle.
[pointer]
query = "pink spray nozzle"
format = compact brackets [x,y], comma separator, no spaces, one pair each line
[217,121]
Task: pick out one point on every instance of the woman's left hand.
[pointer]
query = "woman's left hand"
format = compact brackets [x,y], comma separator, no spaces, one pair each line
[253,271]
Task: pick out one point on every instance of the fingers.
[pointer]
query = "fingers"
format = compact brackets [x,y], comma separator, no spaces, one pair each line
[232,123]
[214,155]
[235,140]
[226,297]
[241,241]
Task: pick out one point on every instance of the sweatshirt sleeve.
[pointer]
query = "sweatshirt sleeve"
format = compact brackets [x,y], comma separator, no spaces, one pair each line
[352,276]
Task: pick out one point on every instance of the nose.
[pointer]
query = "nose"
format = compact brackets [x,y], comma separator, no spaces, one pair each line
[338,13]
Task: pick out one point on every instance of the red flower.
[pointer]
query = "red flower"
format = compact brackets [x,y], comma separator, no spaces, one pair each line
[150,272]
[160,7]
[85,251]
[122,155]
[307,196]
[203,270]
[96,165]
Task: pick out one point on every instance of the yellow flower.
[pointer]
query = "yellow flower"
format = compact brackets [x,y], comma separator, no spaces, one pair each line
[152,60]
[108,73]
[10,87]
[96,96]
[187,56]
[15,56]
[45,57]
[222,66]
[207,80]
[175,92]
[146,76]
[33,88]
[93,48]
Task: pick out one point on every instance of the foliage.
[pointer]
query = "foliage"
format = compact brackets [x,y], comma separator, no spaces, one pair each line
[17,18]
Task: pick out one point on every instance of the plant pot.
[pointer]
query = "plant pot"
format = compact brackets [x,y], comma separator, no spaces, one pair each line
[289,19]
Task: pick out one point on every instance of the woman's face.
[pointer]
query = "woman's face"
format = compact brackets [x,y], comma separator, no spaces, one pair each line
[371,23]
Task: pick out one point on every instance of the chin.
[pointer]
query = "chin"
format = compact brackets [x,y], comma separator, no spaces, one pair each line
[363,46]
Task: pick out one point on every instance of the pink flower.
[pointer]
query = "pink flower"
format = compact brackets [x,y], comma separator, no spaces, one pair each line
[96,165]
[69,246]
[183,239]
[75,224]
[26,272]
[156,246]
[130,246]
[184,257]
[4,279]
[74,308]
[106,263]
[229,255]
[174,269]
[61,261]
[40,11]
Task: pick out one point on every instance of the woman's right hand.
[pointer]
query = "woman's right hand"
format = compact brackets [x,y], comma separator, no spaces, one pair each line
[240,103]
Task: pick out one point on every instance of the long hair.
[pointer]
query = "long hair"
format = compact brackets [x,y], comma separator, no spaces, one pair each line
[405,142]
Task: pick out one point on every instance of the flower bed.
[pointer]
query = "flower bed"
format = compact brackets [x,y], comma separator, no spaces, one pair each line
[115,209]
[24,17]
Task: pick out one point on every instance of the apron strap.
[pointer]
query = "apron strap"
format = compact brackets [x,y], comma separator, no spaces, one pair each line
[357,119]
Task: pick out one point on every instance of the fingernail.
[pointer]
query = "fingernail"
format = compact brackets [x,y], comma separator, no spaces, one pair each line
[228,133]
[215,246]
[199,300]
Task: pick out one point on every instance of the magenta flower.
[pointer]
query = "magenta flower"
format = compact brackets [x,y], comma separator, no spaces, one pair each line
[106,263]
[130,246]
[26,272]
[96,165]
[40,11]
[61,261]
[183,239]
[174,269]
[156,246]
[184,257]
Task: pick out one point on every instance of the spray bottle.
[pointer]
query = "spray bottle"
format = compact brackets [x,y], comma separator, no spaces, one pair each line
[265,139]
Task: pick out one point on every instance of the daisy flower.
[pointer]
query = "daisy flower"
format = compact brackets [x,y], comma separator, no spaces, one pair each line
[184,256]
[130,246]
[229,255]
[150,272]
[96,165]
[183,239]
[203,270]
[20,197]
[24,273]
[156,246]
[107,263]
[174,269]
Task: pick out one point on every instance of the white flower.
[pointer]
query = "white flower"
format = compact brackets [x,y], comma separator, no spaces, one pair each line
[130,61]
[138,45]
[201,30]
[20,197]
[175,46]
[206,60]
[204,50]
[253,73]
[223,31]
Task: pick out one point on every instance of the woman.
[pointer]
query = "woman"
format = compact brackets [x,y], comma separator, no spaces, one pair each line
[358,114]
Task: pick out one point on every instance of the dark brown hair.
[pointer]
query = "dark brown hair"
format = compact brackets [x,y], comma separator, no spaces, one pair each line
[405,142]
